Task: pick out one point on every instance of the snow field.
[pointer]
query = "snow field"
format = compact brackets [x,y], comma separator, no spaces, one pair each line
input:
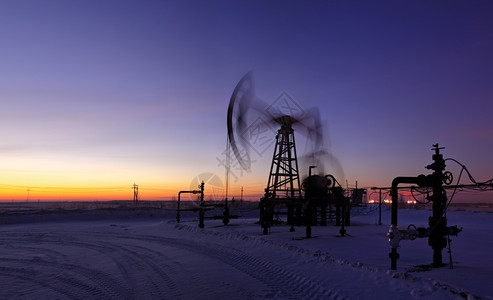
[146,255]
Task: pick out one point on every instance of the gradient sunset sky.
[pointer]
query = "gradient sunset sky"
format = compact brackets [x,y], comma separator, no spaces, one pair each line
[98,95]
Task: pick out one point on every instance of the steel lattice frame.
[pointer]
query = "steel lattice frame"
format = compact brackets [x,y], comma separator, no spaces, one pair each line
[284,181]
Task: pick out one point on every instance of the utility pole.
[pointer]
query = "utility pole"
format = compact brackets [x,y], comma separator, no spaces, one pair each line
[379,204]
[136,193]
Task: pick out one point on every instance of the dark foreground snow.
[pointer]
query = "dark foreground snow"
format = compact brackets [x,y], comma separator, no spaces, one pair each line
[146,255]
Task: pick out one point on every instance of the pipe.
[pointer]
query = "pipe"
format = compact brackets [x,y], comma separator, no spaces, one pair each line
[395,194]
[310,170]
[420,180]
[178,208]
[380,209]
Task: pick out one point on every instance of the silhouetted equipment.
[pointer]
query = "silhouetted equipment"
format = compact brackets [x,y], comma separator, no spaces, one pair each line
[283,189]
[248,115]
[324,198]
[437,229]
[283,186]
[284,179]
[201,204]
[203,207]
[178,209]
[243,94]
[136,193]
[358,196]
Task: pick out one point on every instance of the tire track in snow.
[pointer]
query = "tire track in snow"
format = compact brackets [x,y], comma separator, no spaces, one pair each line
[16,273]
[204,284]
[282,282]
[422,285]
[137,281]
[163,281]
[77,280]
[69,280]
[140,262]
[143,279]
[150,282]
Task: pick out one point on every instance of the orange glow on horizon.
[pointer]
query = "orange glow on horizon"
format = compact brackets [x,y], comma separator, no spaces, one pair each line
[121,192]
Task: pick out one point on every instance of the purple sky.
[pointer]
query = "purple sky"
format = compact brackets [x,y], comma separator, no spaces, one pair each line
[108,93]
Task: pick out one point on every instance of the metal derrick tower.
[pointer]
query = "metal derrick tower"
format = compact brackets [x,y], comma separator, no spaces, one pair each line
[284,180]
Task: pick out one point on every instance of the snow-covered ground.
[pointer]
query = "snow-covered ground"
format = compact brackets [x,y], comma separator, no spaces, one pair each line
[144,254]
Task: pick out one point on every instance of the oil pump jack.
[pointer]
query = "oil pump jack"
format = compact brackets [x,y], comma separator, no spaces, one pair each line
[283,188]
[438,229]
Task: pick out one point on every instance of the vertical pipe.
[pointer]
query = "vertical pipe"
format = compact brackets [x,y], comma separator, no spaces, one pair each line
[419,180]
[179,200]
[201,210]
[178,209]
[380,208]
